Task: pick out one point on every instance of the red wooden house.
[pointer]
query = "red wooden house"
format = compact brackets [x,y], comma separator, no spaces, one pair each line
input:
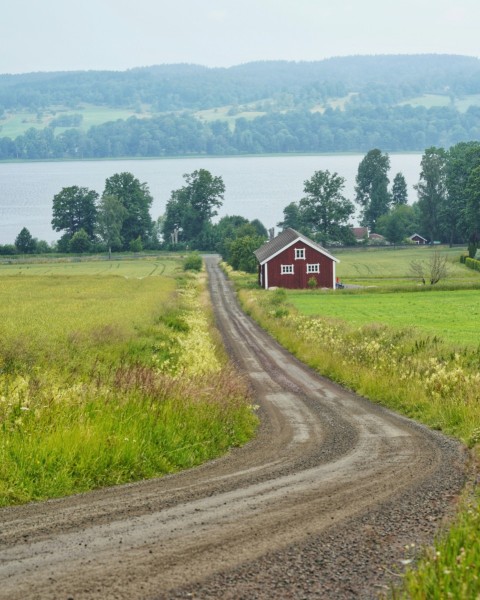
[416,238]
[291,259]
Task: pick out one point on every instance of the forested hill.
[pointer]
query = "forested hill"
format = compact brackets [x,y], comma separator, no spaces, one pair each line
[403,102]
[176,87]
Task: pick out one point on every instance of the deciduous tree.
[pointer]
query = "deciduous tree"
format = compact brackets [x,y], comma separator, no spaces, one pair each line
[372,187]
[191,208]
[398,223]
[324,209]
[80,242]
[111,214]
[462,160]
[74,208]
[432,191]
[472,211]
[137,201]
[433,270]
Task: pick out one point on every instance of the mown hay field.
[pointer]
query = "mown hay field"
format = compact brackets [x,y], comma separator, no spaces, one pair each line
[128,267]
[391,266]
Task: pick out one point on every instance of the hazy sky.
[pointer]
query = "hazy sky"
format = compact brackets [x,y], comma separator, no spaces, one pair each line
[52,35]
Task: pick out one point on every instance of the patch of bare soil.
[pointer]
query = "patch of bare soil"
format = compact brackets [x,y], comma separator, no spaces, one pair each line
[319,505]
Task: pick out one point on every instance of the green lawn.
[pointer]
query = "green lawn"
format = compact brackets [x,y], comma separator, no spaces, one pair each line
[451,315]
[389,295]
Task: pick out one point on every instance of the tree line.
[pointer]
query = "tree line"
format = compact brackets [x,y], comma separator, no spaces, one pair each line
[447,210]
[119,220]
[354,129]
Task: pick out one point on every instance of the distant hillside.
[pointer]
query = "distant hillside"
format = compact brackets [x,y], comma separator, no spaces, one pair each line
[347,103]
[176,87]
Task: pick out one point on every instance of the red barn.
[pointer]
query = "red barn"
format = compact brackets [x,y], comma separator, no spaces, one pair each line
[291,259]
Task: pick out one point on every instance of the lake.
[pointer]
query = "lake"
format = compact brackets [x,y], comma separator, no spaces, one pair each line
[257,187]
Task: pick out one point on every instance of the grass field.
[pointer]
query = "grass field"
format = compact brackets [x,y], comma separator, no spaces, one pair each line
[441,100]
[386,267]
[451,315]
[138,268]
[17,123]
[222,114]
[110,372]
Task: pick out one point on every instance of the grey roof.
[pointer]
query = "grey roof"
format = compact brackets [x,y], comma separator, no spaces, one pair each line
[283,240]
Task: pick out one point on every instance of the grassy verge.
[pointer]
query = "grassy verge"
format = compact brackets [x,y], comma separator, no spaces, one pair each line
[108,379]
[415,373]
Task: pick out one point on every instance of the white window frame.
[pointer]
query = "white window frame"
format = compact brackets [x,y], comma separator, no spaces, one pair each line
[313,267]
[299,253]
[286,269]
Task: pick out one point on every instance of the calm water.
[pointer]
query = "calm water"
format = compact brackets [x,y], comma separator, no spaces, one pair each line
[256,187]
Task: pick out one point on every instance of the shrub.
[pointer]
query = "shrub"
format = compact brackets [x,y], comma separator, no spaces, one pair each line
[136,245]
[472,263]
[80,242]
[193,262]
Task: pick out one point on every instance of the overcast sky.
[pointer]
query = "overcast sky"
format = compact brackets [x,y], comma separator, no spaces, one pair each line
[53,35]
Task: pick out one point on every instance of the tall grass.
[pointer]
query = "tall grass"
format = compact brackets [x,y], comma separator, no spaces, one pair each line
[105,380]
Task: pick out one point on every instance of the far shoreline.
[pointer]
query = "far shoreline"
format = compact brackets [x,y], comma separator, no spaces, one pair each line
[200,156]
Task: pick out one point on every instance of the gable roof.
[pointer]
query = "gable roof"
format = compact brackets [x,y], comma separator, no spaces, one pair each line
[284,240]
[417,235]
[360,232]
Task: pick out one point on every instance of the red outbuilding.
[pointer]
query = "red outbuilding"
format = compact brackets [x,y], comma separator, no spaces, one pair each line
[291,259]
[416,238]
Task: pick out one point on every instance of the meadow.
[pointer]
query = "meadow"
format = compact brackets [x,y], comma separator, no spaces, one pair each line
[109,375]
[17,123]
[385,344]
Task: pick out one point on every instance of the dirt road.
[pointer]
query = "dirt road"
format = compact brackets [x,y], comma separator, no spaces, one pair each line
[319,505]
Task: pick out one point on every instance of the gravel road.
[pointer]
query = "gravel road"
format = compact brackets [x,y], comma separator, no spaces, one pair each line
[319,505]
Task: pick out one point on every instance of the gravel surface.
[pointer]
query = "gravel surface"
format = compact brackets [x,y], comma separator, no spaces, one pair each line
[321,504]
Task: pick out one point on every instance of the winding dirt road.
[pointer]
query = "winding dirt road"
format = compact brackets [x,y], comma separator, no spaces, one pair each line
[319,505]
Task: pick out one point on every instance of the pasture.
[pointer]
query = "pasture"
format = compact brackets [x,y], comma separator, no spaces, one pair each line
[390,267]
[17,123]
[443,100]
